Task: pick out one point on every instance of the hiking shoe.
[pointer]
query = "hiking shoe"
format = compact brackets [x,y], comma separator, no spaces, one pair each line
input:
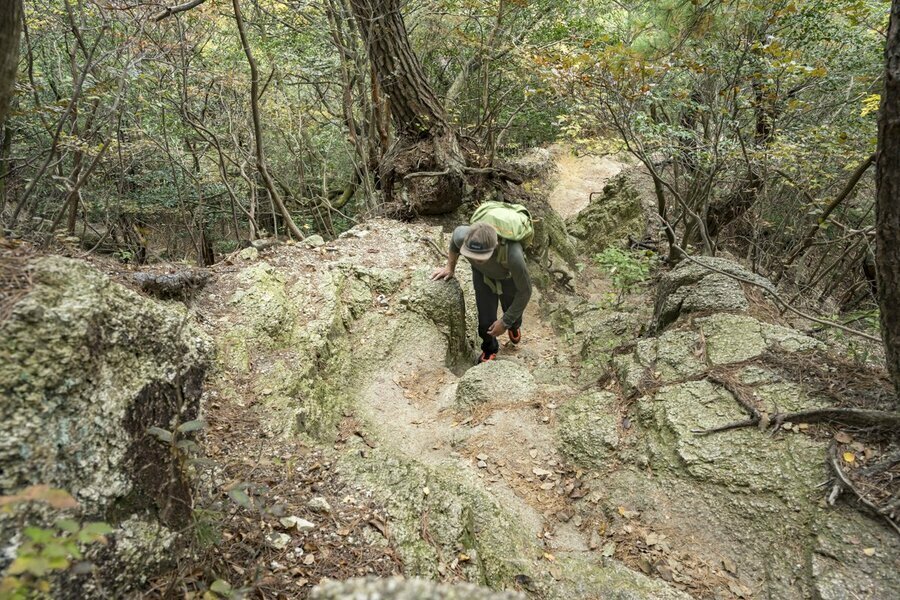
[515,335]
[486,356]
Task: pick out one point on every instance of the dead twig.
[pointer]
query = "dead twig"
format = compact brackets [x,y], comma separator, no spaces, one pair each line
[434,246]
[842,482]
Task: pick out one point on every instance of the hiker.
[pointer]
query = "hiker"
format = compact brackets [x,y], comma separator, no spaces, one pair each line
[499,271]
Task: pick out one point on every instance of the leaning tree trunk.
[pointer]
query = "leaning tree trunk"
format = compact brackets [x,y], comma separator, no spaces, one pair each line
[10,29]
[887,228]
[424,171]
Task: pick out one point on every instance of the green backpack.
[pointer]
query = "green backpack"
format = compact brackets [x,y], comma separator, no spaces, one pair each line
[512,222]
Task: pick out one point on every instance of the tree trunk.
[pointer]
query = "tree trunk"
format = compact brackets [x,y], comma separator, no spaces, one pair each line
[10,31]
[423,173]
[261,165]
[887,229]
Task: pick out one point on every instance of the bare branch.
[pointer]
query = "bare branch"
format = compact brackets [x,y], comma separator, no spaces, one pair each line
[168,12]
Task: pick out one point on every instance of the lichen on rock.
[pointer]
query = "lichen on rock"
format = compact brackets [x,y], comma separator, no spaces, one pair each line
[612,216]
[741,461]
[399,588]
[692,287]
[588,428]
[86,367]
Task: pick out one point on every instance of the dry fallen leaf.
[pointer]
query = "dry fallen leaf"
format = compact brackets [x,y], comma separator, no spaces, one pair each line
[849,457]
[628,514]
[842,437]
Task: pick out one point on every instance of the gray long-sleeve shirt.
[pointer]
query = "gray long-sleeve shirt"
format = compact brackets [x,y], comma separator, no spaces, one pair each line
[516,268]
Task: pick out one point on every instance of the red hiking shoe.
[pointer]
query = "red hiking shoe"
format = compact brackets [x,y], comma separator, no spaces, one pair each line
[515,335]
[486,356]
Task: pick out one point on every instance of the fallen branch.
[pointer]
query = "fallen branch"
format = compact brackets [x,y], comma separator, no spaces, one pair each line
[842,482]
[167,286]
[427,174]
[433,246]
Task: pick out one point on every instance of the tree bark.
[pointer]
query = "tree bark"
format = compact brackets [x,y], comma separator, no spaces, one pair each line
[887,229]
[10,31]
[427,142]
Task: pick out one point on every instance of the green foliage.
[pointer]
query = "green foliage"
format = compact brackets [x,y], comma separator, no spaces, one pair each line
[48,551]
[625,269]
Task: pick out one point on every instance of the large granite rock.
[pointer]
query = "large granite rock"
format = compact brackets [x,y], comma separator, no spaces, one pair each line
[398,588]
[495,381]
[86,366]
[614,215]
[692,287]
[588,428]
[741,489]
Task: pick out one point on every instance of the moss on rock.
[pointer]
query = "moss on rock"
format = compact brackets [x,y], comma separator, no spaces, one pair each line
[611,217]
[78,352]
[692,287]
[437,513]
[86,366]
[588,428]
[740,461]
[399,588]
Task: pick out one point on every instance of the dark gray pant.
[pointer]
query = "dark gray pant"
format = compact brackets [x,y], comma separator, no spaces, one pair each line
[486,302]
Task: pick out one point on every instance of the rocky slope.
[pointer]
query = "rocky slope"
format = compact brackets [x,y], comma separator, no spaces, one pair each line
[570,468]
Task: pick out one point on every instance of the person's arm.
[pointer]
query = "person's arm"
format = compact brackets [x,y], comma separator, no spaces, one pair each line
[519,271]
[446,273]
[456,240]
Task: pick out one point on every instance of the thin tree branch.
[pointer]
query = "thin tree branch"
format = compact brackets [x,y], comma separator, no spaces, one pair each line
[168,12]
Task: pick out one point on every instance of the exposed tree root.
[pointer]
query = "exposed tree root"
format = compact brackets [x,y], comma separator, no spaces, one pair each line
[868,420]
[861,417]
[740,393]
[873,419]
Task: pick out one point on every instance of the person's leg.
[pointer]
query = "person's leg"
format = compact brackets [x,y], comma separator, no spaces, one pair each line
[508,297]
[486,303]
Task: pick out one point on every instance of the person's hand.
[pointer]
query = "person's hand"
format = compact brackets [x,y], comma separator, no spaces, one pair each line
[497,329]
[442,273]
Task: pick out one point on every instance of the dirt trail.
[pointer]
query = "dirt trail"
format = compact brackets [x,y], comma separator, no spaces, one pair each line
[578,177]
[509,448]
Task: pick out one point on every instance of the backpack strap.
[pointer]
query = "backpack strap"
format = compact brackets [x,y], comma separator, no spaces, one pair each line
[503,253]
